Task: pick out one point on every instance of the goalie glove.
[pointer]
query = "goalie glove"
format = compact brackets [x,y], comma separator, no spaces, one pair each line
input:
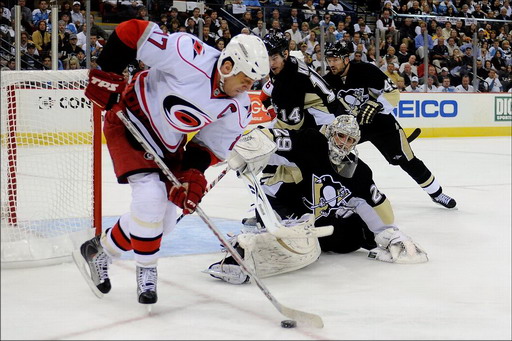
[104,88]
[367,112]
[191,191]
[395,246]
[252,152]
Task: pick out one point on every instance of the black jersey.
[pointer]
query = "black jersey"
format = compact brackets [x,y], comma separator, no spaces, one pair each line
[306,181]
[364,81]
[301,97]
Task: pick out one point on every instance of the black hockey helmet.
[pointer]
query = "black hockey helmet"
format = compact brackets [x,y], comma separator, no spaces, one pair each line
[275,43]
[339,49]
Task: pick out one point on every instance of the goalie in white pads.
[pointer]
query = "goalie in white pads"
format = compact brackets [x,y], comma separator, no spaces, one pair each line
[319,178]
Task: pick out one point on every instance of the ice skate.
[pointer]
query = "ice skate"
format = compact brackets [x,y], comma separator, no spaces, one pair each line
[91,254]
[228,271]
[445,201]
[146,285]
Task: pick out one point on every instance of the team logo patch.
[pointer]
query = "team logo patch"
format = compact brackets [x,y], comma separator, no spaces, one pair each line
[198,47]
[328,196]
[183,115]
[353,97]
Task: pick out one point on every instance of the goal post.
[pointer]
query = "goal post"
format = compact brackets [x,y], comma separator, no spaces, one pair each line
[50,166]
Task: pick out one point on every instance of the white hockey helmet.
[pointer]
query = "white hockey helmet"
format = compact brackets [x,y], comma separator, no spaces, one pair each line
[342,134]
[249,56]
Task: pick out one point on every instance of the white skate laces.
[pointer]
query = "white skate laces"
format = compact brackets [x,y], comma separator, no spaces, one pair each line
[146,284]
[445,201]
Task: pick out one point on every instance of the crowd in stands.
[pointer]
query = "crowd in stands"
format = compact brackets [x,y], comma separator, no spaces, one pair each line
[450,29]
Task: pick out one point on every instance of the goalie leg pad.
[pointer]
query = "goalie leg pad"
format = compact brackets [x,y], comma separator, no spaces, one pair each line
[272,256]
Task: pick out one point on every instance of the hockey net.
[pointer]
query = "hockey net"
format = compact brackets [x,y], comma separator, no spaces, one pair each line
[50,166]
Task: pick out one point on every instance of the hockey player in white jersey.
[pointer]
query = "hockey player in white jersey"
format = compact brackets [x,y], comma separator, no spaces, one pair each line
[189,87]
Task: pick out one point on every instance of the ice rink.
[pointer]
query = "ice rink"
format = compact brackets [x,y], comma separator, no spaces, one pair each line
[463,292]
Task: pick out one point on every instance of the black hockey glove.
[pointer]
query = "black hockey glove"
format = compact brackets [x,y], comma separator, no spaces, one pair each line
[367,111]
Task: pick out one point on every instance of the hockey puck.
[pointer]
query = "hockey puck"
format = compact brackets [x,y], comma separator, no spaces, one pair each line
[288,323]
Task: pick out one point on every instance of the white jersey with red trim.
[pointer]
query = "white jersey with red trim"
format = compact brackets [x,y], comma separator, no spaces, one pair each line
[178,94]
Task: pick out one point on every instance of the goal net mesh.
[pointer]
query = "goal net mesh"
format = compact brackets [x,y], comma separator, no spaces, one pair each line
[47,166]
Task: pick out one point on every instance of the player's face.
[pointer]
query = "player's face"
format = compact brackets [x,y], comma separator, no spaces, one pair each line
[237,84]
[336,64]
[344,142]
[276,63]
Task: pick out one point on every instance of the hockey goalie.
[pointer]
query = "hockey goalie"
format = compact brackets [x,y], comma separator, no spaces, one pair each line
[315,194]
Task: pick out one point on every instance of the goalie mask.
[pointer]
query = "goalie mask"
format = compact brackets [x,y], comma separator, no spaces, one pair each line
[343,134]
[247,52]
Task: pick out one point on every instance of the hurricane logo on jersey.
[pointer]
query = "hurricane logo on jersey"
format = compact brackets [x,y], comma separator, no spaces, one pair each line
[183,115]
[328,196]
[352,97]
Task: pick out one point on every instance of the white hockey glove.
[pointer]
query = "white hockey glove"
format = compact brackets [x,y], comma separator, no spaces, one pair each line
[252,152]
[395,246]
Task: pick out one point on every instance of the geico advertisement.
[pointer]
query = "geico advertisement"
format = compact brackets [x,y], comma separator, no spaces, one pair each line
[66,110]
[454,110]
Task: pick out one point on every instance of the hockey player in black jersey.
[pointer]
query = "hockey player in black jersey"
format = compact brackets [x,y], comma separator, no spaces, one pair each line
[319,175]
[365,91]
[299,96]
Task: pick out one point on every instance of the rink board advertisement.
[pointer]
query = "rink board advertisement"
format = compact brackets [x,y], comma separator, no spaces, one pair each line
[440,114]
[459,114]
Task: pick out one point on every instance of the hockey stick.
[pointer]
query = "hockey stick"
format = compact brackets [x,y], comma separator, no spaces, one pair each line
[414,135]
[312,319]
[212,184]
[305,227]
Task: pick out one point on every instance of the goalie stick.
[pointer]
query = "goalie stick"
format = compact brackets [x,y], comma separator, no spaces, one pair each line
[212,184]
[305,227]
[309,318]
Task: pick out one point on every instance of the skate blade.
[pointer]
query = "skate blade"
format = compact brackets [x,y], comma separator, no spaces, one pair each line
[82,265]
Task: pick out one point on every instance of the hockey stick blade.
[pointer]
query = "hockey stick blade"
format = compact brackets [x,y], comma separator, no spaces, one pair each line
[82,265]
[414,135]
[308,318]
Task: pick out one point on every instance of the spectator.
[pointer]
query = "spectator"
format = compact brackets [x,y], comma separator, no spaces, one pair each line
[440,53]
[446,85]
[41,13]
[69,25]
[430,86]
[72,48]
[326,21]
[443,7]
[336,11]
[42,39]
[308,10]
[431,73]
[412,63]
[311,42]
[25,40]
[419,41]
[413,87]
[82,60]
[403,54]
[30,60]
[465,86]
[498,62]
[246,19]
[259,30]
[493,83]
[94,45]
[304,30]
[96,29]
[391,72]
[192,27]
[386,26]
[208,39]
[407,34]
[219,44]
[77,17]
[65,7]
[321,7]
[142,14]
[26,16]
[294,32]
[223,26]
[295,17]
[407,74]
